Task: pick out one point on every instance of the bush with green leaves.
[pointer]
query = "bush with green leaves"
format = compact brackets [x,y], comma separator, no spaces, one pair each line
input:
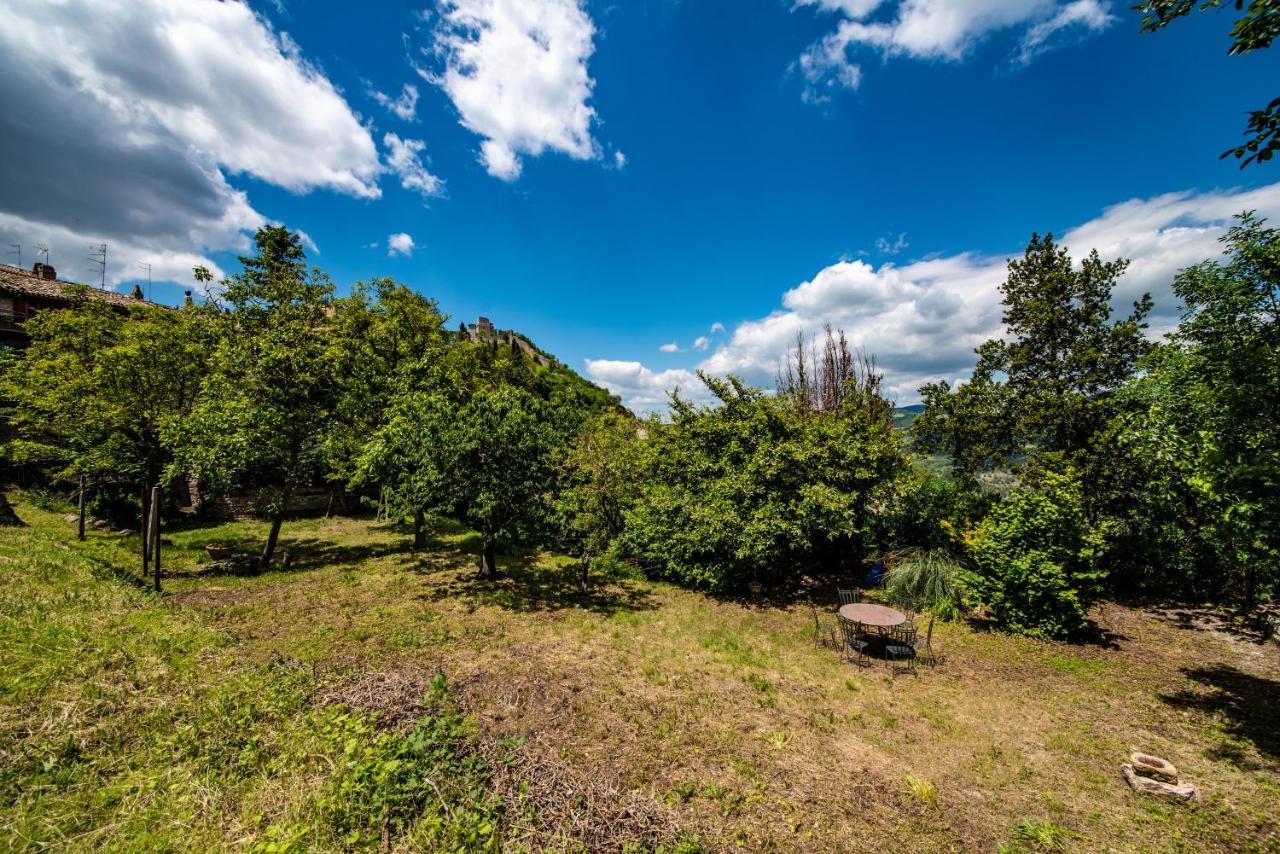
[426,786]
[1035,559]
[926,580]
[759,488]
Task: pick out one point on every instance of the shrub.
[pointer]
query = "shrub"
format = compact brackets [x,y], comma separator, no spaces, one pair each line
[926,580]
[917,511]
[759,488]
[1034,562]
[425,784]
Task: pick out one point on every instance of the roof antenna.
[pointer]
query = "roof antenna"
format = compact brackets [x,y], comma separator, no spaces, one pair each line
[98,255]
[147,267]
[40,247]
[17,250]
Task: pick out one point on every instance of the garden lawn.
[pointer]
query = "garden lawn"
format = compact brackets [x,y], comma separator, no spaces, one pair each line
[223,712]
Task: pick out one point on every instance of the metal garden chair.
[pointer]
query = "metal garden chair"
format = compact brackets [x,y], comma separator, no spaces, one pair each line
[855,641]
[849,597]
[924,649]
[901,647]
[823,632]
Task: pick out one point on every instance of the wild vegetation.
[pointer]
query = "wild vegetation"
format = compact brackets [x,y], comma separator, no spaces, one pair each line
[345,687]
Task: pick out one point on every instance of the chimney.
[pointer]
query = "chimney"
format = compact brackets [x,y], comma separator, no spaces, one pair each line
[44,271]
[137,292]
[186,297]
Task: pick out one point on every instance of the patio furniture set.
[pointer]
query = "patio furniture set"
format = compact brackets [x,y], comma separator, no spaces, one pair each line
[867,631]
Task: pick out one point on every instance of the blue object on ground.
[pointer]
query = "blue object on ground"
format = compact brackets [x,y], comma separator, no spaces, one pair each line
[875,574]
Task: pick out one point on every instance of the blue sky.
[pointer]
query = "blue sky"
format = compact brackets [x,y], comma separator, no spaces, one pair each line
[611,178]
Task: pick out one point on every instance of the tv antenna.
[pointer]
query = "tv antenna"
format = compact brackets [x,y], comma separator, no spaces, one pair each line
[16,249]
[147,267]
[98,256]
[42,248]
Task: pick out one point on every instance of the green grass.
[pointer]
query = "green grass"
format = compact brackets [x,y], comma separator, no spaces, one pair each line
[129,723]
[301,710]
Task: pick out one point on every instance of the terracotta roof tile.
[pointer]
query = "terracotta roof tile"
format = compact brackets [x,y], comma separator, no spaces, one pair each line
[15,280]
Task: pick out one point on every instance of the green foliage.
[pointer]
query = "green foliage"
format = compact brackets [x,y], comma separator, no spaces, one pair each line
[926,580]
[923,512]
[98,387]
[598,484]
[1035,560]
[1062,361]
[385,339]
[486,461]
[760,487]
[1196,492]
[262,412]
[425,785]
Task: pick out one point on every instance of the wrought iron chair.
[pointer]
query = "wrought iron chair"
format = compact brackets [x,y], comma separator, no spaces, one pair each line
[824,633]
[849,597]
[924,649]
[855,641]
[901,647]
[906,607]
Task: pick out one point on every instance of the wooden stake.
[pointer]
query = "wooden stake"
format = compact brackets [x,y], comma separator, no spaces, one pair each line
[155,532]
[80,502]
[146,531]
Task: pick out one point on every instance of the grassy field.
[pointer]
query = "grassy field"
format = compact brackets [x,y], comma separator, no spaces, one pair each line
[307,711]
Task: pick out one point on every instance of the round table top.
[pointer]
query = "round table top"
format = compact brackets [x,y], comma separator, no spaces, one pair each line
[872,615]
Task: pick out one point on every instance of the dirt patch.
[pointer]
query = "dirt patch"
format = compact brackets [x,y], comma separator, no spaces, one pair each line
[212,597]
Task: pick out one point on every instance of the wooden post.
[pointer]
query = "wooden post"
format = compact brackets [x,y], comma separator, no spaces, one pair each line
[146,530]
[155,532]
[80,508]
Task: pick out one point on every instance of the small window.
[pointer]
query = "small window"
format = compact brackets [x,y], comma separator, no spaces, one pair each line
[6,309]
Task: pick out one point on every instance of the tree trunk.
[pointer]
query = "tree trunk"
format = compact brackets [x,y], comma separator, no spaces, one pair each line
[419,529]
[145,528]
[489,558]
[270,549]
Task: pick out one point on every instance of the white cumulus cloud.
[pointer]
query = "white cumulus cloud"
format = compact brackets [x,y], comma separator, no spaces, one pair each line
[673,347]
[124,119]
[937,30]
[404,158]
[405,106]
[516,71]
[399,244]
[701,342]
[922,320]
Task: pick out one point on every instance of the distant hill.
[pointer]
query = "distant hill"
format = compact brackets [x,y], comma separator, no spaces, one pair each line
[904,416]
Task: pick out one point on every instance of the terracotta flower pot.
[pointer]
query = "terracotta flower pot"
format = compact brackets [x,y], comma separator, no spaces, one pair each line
[217,552]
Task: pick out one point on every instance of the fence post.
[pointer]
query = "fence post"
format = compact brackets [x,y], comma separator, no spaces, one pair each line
[80,509]
[155,532]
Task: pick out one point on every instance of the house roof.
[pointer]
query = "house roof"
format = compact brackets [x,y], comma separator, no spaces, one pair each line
[19,282]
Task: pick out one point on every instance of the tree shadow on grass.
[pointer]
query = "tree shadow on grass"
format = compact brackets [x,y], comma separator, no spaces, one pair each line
[1258,627]
[524,585]
[305,554]
[1248,705]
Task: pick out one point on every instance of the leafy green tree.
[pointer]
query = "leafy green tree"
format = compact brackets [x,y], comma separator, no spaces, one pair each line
[1255,29]
[1062,361]
[1206,409]
[760,487]
[97,388]
[386,340]
[485,460]
[263,410]
[1035,559]
[598,484]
